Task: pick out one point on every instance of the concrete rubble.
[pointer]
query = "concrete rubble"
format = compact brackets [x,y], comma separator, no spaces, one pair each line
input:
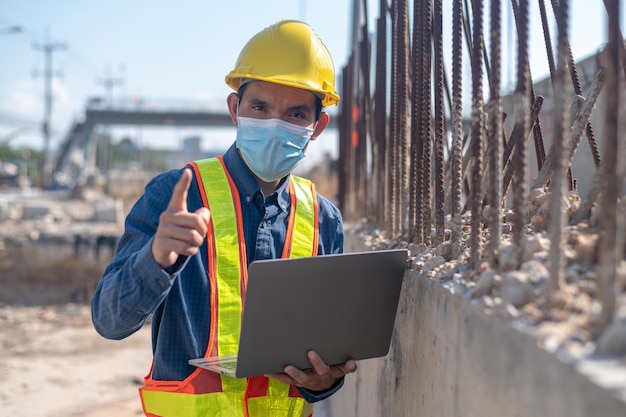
[68,238]
[565,325]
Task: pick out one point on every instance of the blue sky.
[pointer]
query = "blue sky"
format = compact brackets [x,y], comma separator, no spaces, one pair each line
[180,50]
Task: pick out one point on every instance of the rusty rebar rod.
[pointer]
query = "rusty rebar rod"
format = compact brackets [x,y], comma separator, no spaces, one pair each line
[622,46]
[536,129]
[416,184]
[546,37]
[398,73]
[380,116]
[520,160]
[477,130]
[363,122]
[439,122]
[608,215]
[424,176]
[457,124]
[560,139]
[394,117]
[494,144]
[551,66]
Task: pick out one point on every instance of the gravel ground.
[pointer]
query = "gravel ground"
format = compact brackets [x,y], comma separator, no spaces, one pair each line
[55,364]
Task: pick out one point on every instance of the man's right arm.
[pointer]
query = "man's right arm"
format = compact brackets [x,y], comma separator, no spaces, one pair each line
[134,284]
[160,235]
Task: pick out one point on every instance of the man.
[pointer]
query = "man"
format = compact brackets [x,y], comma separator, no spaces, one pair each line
[182,260]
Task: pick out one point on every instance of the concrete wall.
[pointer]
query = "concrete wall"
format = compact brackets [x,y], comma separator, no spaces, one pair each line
[448,358]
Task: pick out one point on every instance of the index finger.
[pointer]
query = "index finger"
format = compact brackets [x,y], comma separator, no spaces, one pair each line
[178,202]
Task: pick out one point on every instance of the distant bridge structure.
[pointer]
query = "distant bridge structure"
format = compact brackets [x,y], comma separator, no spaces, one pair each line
[74,159]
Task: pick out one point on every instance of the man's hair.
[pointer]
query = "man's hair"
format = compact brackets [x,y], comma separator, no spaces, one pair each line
[318,101]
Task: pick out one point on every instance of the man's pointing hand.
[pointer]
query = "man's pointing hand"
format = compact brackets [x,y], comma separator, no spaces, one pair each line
[179,232]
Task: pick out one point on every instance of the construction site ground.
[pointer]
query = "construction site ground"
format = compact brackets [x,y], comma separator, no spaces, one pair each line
[53,361]
[55,364]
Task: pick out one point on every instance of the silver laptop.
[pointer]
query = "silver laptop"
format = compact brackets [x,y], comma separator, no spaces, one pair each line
[341,306]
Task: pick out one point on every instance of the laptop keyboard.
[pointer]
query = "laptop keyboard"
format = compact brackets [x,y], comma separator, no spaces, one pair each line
[230,365]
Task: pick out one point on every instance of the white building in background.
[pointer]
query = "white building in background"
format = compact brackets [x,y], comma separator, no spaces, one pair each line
[191,148]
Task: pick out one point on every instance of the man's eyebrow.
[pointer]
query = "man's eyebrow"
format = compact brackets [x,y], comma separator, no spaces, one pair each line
[298,107]
[257,101]
[301,107]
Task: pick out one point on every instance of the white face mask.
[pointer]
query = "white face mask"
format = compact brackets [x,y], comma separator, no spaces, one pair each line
[271,147]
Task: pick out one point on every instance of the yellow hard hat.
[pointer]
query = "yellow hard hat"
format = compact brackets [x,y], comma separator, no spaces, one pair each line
[288,53]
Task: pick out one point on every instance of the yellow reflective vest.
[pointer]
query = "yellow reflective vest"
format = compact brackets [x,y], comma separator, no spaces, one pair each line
[205,393]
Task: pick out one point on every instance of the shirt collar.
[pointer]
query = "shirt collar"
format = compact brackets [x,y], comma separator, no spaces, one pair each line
[246,183]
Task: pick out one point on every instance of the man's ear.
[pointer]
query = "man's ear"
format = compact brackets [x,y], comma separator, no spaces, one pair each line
[322,122]
[233,103]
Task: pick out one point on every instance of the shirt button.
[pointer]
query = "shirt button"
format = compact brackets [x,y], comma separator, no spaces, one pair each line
[162,283]
[247,199]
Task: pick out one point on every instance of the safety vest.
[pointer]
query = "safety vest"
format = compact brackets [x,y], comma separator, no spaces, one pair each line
[206,393]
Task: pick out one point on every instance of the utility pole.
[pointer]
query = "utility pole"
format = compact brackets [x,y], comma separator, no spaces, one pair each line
[48,48]
[109,83]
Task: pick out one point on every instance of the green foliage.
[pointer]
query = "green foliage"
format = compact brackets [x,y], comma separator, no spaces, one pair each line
[30,158]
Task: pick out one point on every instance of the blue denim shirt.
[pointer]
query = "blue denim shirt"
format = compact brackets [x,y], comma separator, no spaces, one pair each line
[135,289]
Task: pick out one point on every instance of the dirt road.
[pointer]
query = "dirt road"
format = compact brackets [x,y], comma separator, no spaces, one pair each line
[55,364]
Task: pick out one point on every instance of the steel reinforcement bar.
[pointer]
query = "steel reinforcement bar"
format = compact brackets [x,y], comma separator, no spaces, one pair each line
[434,174]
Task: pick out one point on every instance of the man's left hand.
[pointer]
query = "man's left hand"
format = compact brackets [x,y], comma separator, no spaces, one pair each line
[319,378]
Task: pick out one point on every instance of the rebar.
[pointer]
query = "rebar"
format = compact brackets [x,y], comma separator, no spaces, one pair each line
[422,82]
[608,208]
[425,117]
[520,162]
[439,122]
[546,37]
[494,144]
[405,165]
[476,132]
[622,46]
[394,131]
[561,137]
[380,134]
[457,123]
[536,129]
[365,122]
